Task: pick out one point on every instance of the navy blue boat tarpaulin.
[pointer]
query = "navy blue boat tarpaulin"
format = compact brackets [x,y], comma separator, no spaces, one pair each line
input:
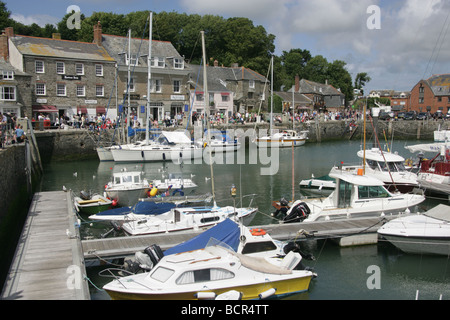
[227,231]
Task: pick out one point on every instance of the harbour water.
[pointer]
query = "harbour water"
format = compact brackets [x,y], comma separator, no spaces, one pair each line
[369,272]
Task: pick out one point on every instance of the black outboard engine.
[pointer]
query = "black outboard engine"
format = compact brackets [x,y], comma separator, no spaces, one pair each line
[298,213]
[85,195]
[155,253]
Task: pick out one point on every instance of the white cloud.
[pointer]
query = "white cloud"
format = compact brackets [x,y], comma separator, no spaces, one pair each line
[39,19]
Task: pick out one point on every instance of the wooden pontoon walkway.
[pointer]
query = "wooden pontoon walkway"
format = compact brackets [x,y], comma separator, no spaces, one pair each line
[125,246]
[48,263]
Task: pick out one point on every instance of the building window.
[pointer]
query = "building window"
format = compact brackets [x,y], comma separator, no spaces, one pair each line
[158,62]
[225,98]
[8,93]
[99,90]
[156,85]
[81,90]
[176,86]
[132,60]
[79,69]
[8,75]
[421,89]
[421,100]
[178,63]
[60,68]
[61,89]
[99,70]
[39,66]
[251,84]
[40,89]
[199,96]
[132,87]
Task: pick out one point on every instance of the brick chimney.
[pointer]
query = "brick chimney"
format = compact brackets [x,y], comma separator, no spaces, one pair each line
[4,44]
[297,83]
[98,33]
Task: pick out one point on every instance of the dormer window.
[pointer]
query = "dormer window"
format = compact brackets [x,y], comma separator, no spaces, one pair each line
[178,63]
[158,62]
[131,60]
[8,75]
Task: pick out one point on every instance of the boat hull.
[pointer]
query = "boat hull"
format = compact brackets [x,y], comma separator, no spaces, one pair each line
[249,292]
[155,154]
[275,143]
[127,197]
[104,154]
[421,245]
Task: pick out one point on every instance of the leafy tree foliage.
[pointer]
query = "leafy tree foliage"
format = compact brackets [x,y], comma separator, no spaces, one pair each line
[229,41]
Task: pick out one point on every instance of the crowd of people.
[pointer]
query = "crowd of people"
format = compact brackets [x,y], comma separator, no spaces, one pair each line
[11,131]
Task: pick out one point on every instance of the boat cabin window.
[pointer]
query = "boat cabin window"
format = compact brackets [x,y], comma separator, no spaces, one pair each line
[391,165]
[372,164]
[162,274]
[370,192]
[345,194]
[258,247]
[127,179]
[203,275]
[117,180]
[136,179]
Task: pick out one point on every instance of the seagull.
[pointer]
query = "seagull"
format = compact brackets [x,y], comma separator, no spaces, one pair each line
[192,175]
[206,178]
[75,174]
[64,188]
[93,177]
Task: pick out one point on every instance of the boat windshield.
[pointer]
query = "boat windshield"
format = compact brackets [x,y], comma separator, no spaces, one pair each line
[162,274]
[371,192]
[393,166]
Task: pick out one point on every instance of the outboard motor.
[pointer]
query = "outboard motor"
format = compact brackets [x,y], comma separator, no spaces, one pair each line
[298,213]
[295,247]
[155,253]
[85,195]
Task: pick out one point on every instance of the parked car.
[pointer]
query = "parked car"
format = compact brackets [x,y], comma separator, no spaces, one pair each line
[410,115]
[422,116]
[439,115]
[384,116]
[401,115]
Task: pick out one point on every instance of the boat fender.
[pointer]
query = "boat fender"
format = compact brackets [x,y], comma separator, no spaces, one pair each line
[164,156]
[114,202]
[267,293]
[153,192]
[142,154]
[242,238]
[257,232]
[205,295]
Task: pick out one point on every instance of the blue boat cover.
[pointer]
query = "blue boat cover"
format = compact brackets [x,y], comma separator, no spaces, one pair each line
[227,231]
[142,207]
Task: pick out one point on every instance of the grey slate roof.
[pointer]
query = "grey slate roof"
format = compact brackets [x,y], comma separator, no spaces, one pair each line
[216,78]
[6,66]
[307,86]
[299,98]
[117,47]
[439,84]
[63,49]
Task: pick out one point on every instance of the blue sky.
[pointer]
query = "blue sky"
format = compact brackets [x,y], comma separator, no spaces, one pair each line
[411,41]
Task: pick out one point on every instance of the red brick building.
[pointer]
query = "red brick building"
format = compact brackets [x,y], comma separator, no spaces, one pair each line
[432,94]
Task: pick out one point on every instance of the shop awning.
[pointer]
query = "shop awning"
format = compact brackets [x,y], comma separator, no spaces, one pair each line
[101,110]
[45,109]
[82,110]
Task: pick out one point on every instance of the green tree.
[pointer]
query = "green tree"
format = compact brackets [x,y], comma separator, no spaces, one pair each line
[5,20]
[340,78]
[361,79]
[294,63]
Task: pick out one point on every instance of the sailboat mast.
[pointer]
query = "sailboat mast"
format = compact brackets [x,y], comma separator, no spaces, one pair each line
[128,84]
[206,98]
[149,78]
[271,95]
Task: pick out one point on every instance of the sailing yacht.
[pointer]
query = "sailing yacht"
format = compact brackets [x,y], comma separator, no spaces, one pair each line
[285,138]
[175,146]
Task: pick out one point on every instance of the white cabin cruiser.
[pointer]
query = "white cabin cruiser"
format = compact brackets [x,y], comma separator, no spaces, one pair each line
[427,233]
[354,196]
[127,187]
[283,139]
[187,218]
[386,166]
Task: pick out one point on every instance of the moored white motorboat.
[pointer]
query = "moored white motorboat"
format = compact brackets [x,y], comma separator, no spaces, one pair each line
[220,141]
[433,175]
[386,166]
[283,139]
[174,181]
[175,146]
[209,272]
[127,187]
[354,196]
[427,233]
[187,218]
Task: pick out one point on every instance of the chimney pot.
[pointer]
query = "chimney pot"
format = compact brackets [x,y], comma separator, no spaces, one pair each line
[98,33]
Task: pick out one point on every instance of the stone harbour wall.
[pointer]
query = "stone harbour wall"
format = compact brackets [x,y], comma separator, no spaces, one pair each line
[79,144]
